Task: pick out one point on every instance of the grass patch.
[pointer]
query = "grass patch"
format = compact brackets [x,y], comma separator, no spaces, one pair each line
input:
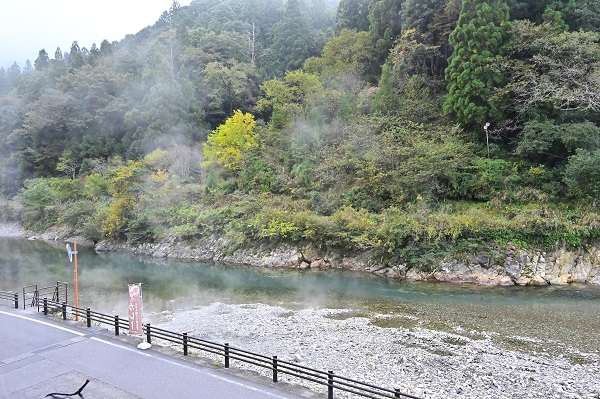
[395,322]
[347,315]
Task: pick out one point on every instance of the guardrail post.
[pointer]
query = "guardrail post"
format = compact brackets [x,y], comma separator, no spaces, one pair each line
[148,334]
[88,316]
[64,310]
[226,355]
[16,300]
[45,306]
[116,324]
[330,385]
[185,344]
[274,368]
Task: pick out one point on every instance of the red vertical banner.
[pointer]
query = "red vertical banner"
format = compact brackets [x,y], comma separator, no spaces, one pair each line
[135,309]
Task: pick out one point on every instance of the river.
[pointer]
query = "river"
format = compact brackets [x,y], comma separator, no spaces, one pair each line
[434,340]
[567,315]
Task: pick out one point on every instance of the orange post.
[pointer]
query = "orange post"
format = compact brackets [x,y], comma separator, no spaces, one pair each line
[76,282]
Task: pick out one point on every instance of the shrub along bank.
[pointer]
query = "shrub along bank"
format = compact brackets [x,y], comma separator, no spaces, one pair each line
[418,238]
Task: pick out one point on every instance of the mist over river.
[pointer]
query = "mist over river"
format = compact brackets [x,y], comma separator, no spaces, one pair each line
[554,322]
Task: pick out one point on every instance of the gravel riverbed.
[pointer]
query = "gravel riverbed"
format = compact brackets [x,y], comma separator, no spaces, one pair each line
[11,230]
[418,361]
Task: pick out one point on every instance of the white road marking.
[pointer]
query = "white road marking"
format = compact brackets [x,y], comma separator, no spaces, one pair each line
[42,322]
[188,367]
[147,354]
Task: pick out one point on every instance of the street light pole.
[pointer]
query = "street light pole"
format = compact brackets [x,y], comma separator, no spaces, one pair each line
[487,138]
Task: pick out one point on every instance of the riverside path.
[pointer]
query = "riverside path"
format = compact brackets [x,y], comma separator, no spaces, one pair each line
[40,356]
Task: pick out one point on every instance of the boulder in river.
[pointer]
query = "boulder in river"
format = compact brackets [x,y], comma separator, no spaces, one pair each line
[537,281]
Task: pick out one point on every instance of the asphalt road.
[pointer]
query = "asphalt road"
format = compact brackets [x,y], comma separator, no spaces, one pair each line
[40,356]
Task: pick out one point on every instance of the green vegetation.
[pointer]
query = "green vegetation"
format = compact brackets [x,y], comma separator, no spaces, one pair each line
[341,127]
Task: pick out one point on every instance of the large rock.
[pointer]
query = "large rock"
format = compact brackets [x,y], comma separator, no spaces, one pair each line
[522,280]
[512,267]
[504,281]
[566,261]
[582,270]
[563,279]
[537,281]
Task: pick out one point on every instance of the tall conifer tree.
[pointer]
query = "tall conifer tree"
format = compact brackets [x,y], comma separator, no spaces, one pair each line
[417,14]
[482,30]
[385,27]
[42,61]
[352,14]
[293,39]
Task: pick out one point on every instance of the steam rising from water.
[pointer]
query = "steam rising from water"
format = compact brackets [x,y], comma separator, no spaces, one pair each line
[565,314]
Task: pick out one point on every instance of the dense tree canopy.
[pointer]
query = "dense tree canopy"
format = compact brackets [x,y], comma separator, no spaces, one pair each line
[352,125]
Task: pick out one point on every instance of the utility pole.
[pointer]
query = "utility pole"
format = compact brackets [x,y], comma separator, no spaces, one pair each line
[73,256]
[253,56]
[487,138]
[172,66]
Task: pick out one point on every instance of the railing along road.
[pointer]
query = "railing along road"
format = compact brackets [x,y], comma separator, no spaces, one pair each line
[229,353]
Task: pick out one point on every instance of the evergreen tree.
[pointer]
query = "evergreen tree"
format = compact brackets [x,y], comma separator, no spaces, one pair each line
[532,10]
[418,13]
[588,14]
[443,23]
[13,76]
[28,67]
[165,109]
[293,39]
[386,98]
[75,56]
[105,48]
[352,14]
[482,30]
[93,55]
[385,28]
[14,69]
[58,64]
[42,61]
[321,16]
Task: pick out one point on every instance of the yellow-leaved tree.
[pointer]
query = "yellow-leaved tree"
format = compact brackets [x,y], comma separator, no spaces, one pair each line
[125,187]
[228,143]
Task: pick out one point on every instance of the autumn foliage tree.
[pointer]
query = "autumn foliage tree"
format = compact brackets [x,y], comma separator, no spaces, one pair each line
[124,186]
[228,143]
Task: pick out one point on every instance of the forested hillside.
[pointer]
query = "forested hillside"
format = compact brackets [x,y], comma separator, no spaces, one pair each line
[417,129]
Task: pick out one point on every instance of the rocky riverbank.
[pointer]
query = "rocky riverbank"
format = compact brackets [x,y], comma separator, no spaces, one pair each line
[512,266]
[460,363]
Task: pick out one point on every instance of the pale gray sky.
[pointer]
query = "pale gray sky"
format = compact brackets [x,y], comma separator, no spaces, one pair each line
[27,26]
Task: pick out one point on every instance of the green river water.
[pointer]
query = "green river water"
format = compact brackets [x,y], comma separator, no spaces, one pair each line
[530,318]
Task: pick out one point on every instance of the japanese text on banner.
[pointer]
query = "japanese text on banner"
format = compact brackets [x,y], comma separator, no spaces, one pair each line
[135,309]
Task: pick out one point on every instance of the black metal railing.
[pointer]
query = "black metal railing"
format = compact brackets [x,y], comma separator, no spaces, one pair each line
[49,306]
[277,367]
[10,296]
[32,294]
